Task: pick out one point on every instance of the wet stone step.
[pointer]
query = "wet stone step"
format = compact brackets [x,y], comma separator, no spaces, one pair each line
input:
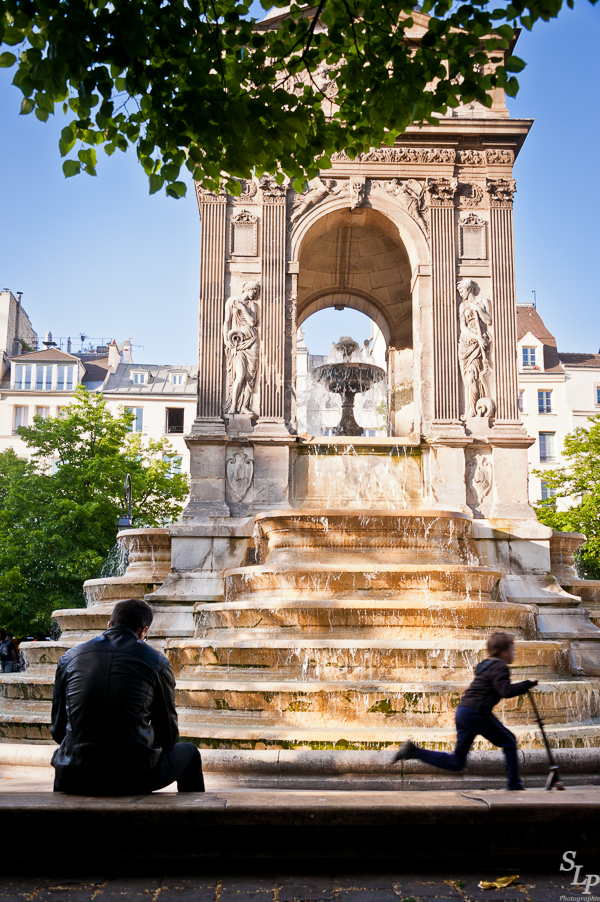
[320,658]
[419,704]
[520,619]
[227,730]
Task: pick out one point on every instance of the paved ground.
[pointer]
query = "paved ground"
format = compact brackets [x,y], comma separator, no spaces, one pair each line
[300,888]
[273,887]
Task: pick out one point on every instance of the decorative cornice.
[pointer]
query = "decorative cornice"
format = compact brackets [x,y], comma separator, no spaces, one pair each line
[501,192]
[441,191]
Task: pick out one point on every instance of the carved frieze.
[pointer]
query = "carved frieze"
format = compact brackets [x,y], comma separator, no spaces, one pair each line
[501,192]
[240,337]
[472,237]
[471,157]
[243,234]
[441,191]
[400,155]
[412,196]
[489,156]
[469,195]
[239,470]
[499,155]
[475,318]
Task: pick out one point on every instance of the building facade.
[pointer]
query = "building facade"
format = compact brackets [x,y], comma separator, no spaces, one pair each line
[557,393]
[40,383]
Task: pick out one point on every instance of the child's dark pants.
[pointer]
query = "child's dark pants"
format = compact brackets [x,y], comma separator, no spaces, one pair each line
[469,724]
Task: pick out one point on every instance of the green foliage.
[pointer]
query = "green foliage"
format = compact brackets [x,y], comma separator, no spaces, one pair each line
[197,84]
[579,484]
[56,529]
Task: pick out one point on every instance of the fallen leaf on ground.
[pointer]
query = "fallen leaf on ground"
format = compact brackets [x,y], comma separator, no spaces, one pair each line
[500,883]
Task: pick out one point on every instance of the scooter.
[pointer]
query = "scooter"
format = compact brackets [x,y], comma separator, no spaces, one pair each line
[553,781]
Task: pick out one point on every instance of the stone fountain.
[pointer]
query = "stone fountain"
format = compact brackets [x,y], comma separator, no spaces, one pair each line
[347,375]
[336,592]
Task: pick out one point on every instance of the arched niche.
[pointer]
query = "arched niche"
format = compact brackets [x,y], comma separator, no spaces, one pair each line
[358,259]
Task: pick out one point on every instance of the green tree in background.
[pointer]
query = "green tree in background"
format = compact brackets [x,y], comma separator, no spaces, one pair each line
[579,482]
[57,528]
[199,83]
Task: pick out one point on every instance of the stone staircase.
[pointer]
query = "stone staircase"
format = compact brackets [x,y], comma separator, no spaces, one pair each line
[351,632]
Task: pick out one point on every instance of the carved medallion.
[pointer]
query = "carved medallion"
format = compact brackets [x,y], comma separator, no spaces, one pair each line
[479,479]
[469,195]
[240,470]
[249,189]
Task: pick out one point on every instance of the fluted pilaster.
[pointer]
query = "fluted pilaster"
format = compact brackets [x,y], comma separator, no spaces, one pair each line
[272,319]
[212,300]
[443,273]
[504,298]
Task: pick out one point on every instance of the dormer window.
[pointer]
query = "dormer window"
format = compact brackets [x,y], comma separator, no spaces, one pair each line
[178,378]
[139,378]
[529,356]
[65,378]
[22,377]
[43,378]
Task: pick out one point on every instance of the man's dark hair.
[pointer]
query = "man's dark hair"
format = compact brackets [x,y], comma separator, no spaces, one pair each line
[132,613]
[499,642]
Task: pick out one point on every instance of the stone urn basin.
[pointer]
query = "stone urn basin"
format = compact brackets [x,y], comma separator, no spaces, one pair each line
[348,376]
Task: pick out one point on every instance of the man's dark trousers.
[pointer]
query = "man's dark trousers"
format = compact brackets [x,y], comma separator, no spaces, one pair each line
[470,723]
[182,764]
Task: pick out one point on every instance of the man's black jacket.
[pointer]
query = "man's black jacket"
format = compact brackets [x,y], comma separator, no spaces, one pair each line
[113,710]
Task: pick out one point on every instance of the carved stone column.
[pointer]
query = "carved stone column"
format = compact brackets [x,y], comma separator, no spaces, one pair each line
[501,193]
[213,210]
[441,193]
[272,319]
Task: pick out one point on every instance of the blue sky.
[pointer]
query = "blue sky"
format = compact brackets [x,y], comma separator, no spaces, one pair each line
[99,255]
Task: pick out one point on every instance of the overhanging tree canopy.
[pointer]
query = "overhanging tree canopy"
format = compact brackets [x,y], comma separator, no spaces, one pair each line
[198,83]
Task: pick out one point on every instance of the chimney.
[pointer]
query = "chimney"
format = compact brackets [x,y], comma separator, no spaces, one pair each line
[114,357]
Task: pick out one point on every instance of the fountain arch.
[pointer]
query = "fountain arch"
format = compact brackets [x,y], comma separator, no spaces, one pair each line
[359,260]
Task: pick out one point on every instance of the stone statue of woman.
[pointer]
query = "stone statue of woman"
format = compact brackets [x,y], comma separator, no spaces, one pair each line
[474,343]
[240,336]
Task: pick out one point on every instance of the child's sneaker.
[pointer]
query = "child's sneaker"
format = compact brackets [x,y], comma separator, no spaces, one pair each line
[404,752]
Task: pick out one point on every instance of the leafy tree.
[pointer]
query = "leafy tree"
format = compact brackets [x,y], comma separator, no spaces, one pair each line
[199,83]
[57,528]
[579,479]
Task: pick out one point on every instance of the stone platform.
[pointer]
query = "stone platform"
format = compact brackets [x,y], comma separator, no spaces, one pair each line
[167,830]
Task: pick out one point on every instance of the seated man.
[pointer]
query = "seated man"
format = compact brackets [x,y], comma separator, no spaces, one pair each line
[114,715]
